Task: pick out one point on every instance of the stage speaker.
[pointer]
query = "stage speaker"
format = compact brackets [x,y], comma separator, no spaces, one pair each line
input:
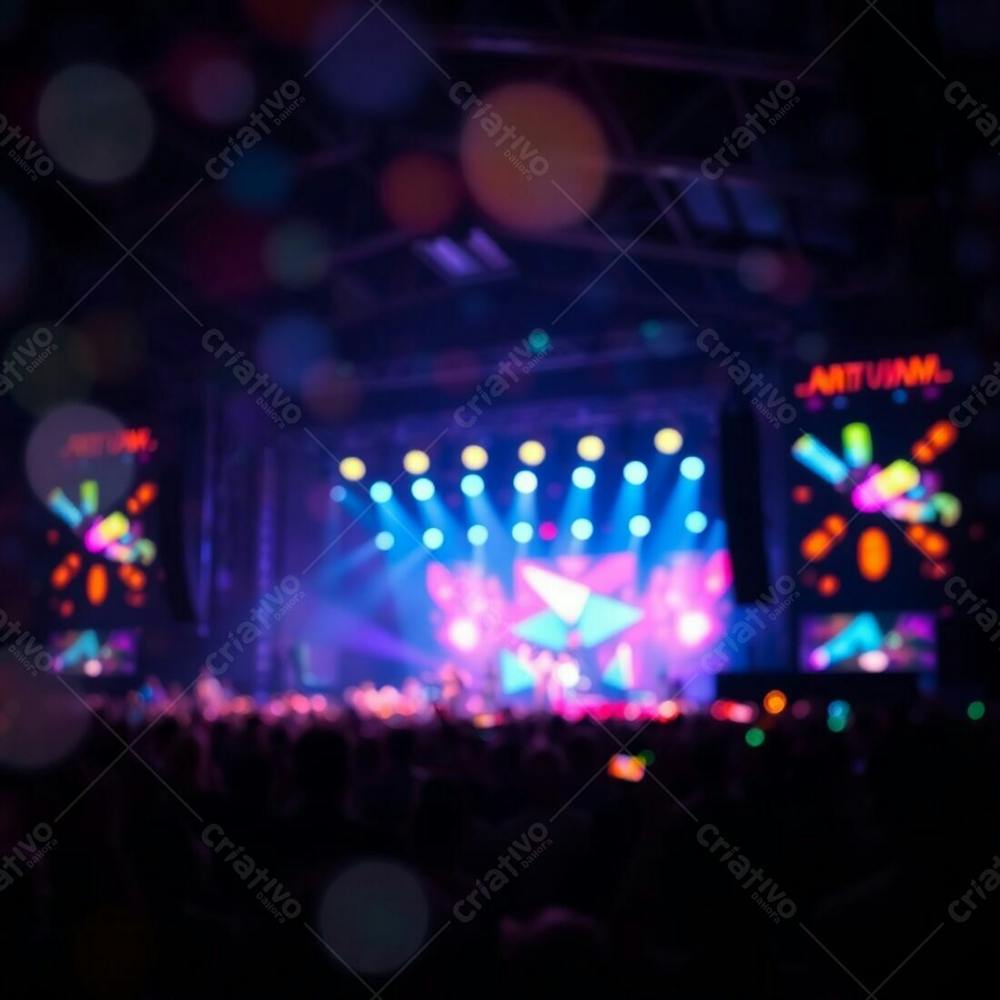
[742,504]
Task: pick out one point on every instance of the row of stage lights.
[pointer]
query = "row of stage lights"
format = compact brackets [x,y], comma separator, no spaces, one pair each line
[475,458]
[590,448]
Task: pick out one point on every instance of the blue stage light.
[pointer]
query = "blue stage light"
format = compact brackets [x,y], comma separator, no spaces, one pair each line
[692,467]
[433,538]
[381,491]
[525,481]
[522,532]
[473,485]
[422,489]
[338,494]
[696,522]
[639,525]
[584,477]
[477,534]
[581,529]
[635,473]
[384,541]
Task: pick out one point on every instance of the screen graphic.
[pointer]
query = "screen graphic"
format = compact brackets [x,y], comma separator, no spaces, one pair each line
[872,643]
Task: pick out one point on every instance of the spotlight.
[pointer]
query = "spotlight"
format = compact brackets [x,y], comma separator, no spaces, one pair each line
[472,485]
[531,453]
[477,534]
[581,529]
[384,541]
[474,457]
[693,627]
[416,462]
[422,489]
[635,473]
[692,467]
[639,525]
[696,522]
[584,477]
[668,441]
[352,469]
[338,494]
[433,538]
[381,491]
[590,448]
[522,532]
[525,481]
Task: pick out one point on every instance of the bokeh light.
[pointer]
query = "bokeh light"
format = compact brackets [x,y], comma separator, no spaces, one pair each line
[384,541]
[547,531]
[590,448]
[208,80]
[555,140]
[775,702]
[754,737]
[531,453]
[692,467]
[635,473]
[95,123]
[584,477]
[696,522]
[639,525]
[477,534]
[581,529]
[472,484]
[525,481]
[668,441]
[382,65]
[420,193]
[422,489]
[416,462]
[474,457]
[522,532]
[976,710]
[433,538]
[297,254]
[352,469]
[381,491]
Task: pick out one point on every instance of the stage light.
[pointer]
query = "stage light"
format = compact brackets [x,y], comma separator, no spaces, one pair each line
[522,532]
[422,489]
[547,531]
[639,525]
[477,534]
[584,477]
[590,448]
[581,529]
[692,467]
[668,441]
[635,473]
[693,627]
[381,491]
[433,538]
[754,737]
[531,453]
[976,710]
[539,341]
[464,634]
[384,541]
[525,481]
[416,462]
[338,494]
[696,522]
[474,457]
[473,485]
[352,469]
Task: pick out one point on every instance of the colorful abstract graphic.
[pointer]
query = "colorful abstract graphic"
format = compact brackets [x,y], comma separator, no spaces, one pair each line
[869,642]
[579,625]
[905,491]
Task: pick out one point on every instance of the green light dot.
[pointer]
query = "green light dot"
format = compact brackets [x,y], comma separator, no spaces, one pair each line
[836,723]
[976,710]
[754,736]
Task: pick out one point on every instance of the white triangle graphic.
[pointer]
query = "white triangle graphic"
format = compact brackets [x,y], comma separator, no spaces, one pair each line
[567,598]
